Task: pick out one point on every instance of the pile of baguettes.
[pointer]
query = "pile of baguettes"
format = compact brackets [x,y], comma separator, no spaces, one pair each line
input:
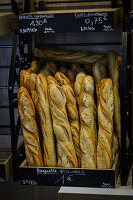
[63,123]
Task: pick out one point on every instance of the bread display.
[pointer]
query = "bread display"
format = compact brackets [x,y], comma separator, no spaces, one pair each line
[88,133]
[99,73]
[113,68]
[65,148]
[73,118]
[27,115]
[105,120]
[74,107]
[69,56]
[45,121]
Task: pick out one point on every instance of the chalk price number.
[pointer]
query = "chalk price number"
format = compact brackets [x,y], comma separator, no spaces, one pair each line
[38,22]
[95,20]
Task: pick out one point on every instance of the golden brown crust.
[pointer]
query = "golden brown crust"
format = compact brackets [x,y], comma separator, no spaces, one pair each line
[62,79]
[88,132]
[45,72]
[77,84]
[105,121]
[25,79]
[67,56]
[27,115]
[99,73]
[33,78]
[71,76]
[63,69]
[34,67]
[51,67]
[51,79]
[65,147]
[45,121]
[113,67]
[73,118]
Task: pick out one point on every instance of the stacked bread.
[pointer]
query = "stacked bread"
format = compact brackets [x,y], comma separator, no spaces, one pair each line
[64,123]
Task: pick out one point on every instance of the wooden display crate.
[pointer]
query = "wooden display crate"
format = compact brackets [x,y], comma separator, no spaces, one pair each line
[5,166]
[70,177]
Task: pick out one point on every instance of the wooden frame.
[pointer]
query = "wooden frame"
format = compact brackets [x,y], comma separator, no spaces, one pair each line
[5,166]
[8,23]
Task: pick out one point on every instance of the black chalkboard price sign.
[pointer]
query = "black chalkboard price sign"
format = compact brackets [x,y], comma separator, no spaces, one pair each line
[67,22]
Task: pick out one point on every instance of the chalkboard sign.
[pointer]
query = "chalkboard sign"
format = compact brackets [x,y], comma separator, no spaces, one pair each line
[2,173]
[66,22]
[131,23]
[67,177]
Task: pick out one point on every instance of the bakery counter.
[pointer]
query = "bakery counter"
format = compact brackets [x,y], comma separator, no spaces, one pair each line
[122,193]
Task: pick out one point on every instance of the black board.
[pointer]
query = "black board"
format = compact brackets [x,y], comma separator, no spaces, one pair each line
[67,177]
[67,22]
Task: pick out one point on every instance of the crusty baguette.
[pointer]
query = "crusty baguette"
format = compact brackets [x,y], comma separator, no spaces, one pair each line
[63,69]
[113,68]
[34,67]
[73,118]
[77,84]
[71,76]
[27,115]
[45,121]
[33,78]
[51,67]
[76,68]
[62,79]
[105,121]
[68,56]
[65,147]
[25,79]
[99,73]
[51,79]
[88,133]
[115,145]
[45,72]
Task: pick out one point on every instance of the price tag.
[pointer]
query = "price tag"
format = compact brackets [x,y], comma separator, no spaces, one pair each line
[67,22]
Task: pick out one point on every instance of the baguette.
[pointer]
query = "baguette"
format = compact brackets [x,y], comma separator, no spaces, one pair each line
[99,73]
[88,133]
[73,118]
[62,79]
[105,121]
[65,147]
[77,84]
[51,79]
[63,69]
[113,68]
[68,56]
[25,79]
[34,67]
[51,67]
[45,121]
[45,72]
[33,78]
[71,76]
[75,67]
[27,115]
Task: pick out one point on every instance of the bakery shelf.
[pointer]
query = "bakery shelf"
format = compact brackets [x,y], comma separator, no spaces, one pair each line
[64,21]
[8,23]
[5,166]
[70,177]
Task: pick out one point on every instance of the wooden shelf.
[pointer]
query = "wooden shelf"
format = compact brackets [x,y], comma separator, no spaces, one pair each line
[8,23]
[64,21]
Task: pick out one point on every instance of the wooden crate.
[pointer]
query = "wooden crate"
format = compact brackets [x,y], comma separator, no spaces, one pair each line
[70,4]
[76,177]
[5,166]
